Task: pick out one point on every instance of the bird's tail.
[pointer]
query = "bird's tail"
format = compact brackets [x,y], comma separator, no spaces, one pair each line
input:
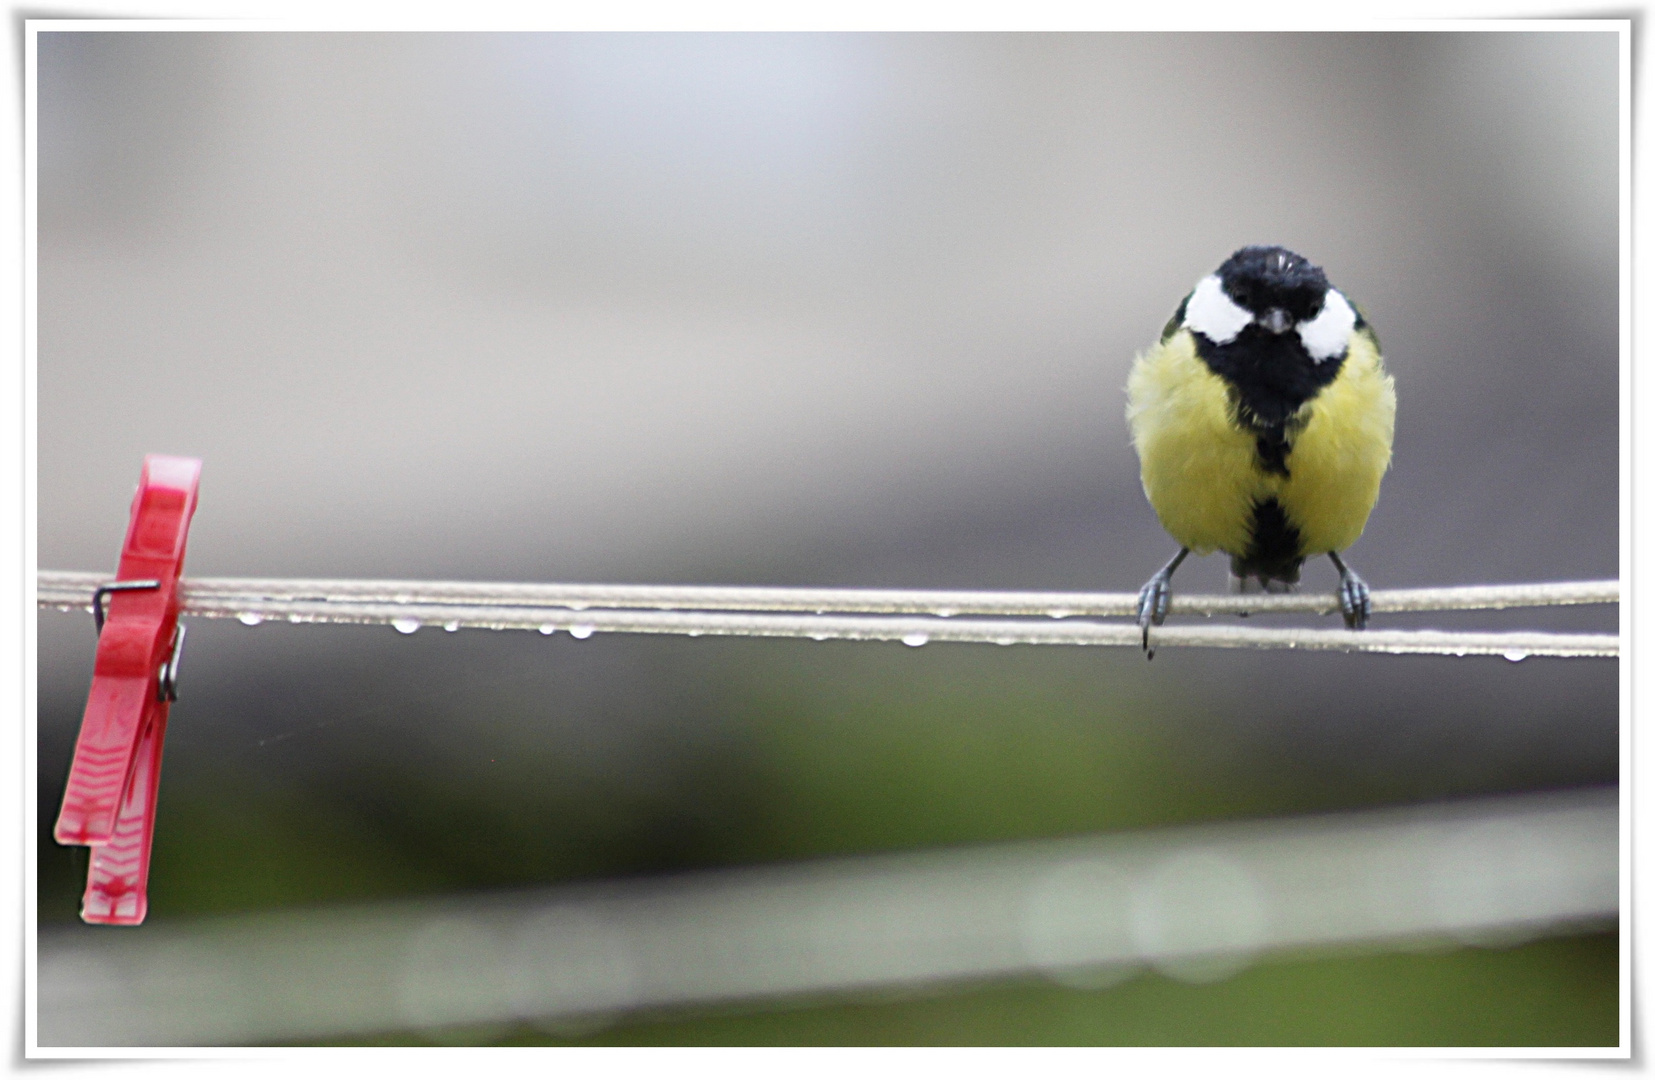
[1251,583]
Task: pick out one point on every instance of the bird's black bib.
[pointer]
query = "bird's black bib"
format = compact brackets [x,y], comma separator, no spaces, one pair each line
[1270,377]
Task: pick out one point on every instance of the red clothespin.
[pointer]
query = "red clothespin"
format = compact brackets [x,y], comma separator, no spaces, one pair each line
[110,800]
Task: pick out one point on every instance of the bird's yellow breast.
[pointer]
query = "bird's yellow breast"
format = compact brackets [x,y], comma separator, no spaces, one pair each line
[1200,465]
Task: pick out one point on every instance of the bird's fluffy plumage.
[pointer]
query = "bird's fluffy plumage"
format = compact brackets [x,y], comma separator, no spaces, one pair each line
[1269,442]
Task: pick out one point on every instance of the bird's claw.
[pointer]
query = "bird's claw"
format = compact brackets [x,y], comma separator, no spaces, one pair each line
[1354,602]
[1153,601]
[1155,598]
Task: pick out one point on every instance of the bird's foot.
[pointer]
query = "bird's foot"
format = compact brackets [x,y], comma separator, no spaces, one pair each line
[1354,602]
[1155,598]
[1153,601]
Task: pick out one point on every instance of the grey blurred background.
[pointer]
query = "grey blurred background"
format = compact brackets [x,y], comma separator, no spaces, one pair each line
[834,309]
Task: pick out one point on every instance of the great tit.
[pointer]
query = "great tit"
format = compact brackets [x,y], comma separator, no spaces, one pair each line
[1263,421]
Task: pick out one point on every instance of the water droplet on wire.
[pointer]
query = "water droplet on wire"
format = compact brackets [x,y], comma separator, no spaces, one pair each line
[249,618]
[405,626]
[582,630]
[915,640]
[1516,655]
[451,625]
[548,628]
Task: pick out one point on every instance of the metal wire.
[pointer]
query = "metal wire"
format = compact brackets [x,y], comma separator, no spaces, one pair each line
[59,587]
[910,616]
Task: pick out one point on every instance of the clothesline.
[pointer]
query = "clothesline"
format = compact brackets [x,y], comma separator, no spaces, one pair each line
[914,617]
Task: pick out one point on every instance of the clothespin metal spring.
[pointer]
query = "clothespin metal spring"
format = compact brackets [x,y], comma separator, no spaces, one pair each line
[114,586]
[166,688]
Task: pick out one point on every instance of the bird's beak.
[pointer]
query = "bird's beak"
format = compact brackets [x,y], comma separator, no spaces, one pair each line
[1276,320]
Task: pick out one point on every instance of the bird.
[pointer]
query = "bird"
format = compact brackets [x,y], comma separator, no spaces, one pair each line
[1263,420]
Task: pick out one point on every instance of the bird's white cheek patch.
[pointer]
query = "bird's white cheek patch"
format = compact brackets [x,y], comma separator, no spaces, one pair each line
[1213,314]
[1326,336]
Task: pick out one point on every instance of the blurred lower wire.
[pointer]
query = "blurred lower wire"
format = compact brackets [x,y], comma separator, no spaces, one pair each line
[1197,903]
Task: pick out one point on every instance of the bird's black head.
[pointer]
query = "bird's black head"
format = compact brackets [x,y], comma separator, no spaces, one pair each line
[1268,323]
[1279,288]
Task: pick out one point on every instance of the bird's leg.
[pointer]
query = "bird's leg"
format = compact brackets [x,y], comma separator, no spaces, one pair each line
[1353,595]
[1156,596]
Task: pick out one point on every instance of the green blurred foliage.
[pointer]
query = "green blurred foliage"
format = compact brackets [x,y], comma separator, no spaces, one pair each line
[835,749]
[797,750]
[1550,993]
[1560,992]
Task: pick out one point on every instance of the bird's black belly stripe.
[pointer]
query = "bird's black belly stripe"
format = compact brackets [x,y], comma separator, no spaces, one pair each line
[1274,548]
[1272,447]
